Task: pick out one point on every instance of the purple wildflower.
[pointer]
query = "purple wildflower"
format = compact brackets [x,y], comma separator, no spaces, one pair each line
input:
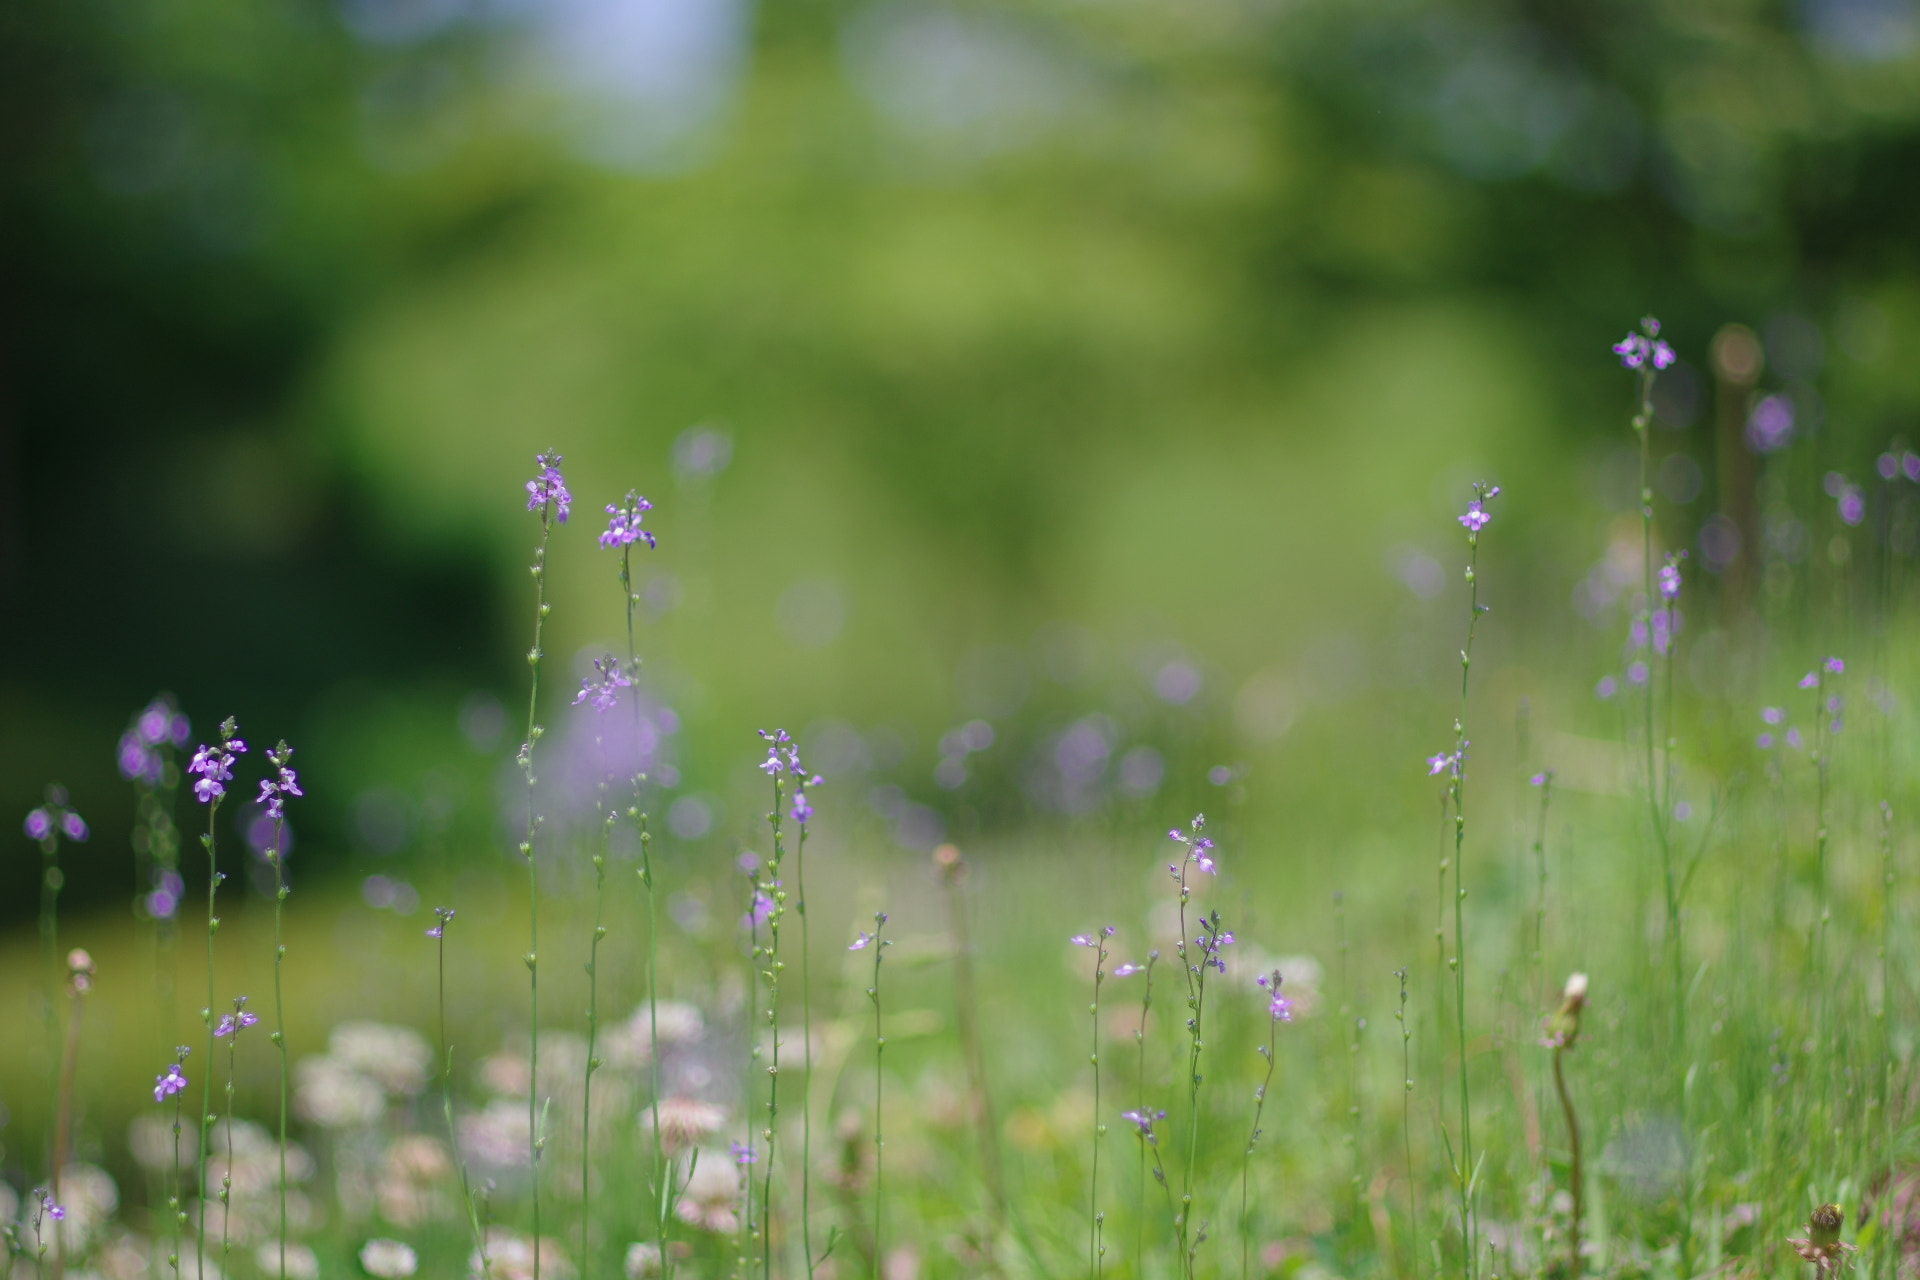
[230,1023]
[1853,505]
[802,810]
[1607,687]
[604,685]
[1835,666]
[284,782]
[623,527]
[1279,1008]
[1764,742]
[762,909]
[548,490]
[1539,779]
[164,901]
[862,942]
[1772,715]
[1129,969]
[215,764]
[1636,673]
[445,916]
[170,1082]
[1638,349]
[1793,738]
[1910,465]
[52,1210]
[1199,847]
[53,819]
[1081,940]
[743,1154]
[1143,1120]
[1811,680]
[39,824]
[74,826]
[1670,576]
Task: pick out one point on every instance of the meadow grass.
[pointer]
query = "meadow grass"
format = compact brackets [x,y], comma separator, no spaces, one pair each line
[1736,1053]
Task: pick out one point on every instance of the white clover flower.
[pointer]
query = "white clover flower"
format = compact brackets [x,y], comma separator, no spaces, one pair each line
[388,1259]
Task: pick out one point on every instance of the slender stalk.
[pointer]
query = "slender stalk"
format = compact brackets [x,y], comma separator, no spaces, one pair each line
[176,1216]
[206,1084]
[1475,519]
[549,498]
[439,934]
[1406,1122]
[273,793]
[746,1155]
[801,813]
[774,966]
[1140,1092]
[1096,1250]
[661,1175]
[1279,1010]
[879,945]
[593,1032]
[79,982]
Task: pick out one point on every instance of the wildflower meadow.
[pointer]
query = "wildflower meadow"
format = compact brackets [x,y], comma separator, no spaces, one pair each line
[1593,967]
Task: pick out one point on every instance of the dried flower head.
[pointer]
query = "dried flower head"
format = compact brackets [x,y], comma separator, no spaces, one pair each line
[1822,1245]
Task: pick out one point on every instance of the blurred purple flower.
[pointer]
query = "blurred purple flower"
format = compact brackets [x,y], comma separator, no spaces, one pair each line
[232,1023]
[1772,715]
[862,942]
[1770,426]
[1835,666]
[39,824]
[604,685]
[743,1154]
[1607,687]
[1793,738]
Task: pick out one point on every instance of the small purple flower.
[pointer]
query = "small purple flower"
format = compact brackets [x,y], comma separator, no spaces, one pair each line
[1636,673]
[801,809]
[1888,466]
[1811,680]
[445,917]
[1793,738]
[52,1210]
[1540,779]
[284,782]
[1081,940]
[1279,1008]
[1607,687]
[604,685]
[39,824]
[164,901]
[1199,847]
[1143,1120]
[172,1081]
[1670,576]
[74,826]
[743,1154]
[1835,666]
[862,942]
[1476,517]
[1772,715]
[237,1021]
[623,527]
[1129,969]
[1910,466]
[1764,742]
[548,490]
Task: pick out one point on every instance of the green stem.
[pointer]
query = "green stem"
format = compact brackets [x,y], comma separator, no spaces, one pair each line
[280,1026]
[534,1140]
[206,1082]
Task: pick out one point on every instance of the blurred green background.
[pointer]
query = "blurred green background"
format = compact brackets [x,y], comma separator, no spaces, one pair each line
[1108,373]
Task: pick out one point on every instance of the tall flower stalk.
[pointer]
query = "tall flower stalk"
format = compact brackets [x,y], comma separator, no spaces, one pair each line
[775,766]
[1454,765]
[622,531]
[547,495]
[443,916]
[172,1083]
[1140,1092]
[1645,354]
[603,688]
[878,946]
[273,794]
[214,765]
[46,826]
[1561,1034]
[1096,1220]
[1279,1010]
[1406,1120]
[1196,958]
[231,1025]
[145,756]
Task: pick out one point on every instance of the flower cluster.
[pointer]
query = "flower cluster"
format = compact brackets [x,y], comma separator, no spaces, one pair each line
[1816,680]
[140,753]
[1279,1008]
[548,490]
[1772,717]
[604,685]
[275,790]
[1212,941]
[623,525]
[54,819]
[1670,576]
[1637,350]
[215,764]
[783,759]
[1199,847]
[444,915]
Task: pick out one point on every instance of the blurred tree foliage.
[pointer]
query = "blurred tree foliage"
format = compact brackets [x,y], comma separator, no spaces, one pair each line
[1160,317]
